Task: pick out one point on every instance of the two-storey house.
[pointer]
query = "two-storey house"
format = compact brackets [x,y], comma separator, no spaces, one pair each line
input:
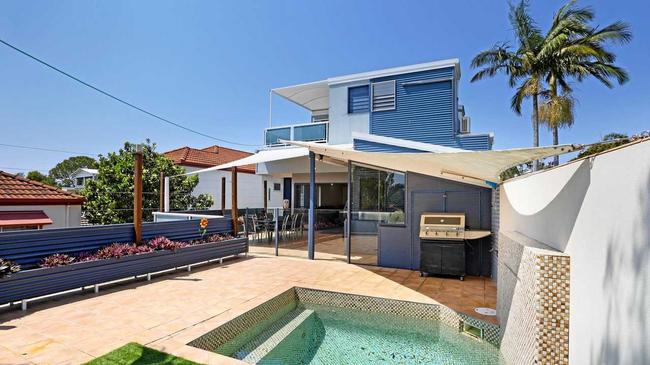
[403,109]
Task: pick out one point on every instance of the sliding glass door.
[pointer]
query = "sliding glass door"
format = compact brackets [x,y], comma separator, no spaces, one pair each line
[378,197]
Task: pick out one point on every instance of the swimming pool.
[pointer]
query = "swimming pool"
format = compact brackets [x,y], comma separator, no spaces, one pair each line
[306,326]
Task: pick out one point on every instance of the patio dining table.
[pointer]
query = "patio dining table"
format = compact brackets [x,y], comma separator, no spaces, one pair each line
[269,225]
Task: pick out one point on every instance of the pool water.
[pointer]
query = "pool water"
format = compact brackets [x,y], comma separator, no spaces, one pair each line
[320,334]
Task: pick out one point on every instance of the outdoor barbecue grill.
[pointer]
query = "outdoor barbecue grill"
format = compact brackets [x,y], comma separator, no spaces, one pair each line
[442,243]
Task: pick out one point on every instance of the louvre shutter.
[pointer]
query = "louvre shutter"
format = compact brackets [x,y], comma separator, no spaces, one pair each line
[383,96]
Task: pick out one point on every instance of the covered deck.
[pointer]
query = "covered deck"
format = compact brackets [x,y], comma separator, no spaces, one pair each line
[385,193]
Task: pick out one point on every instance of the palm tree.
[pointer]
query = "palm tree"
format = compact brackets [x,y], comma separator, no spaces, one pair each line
[571,49]
[557,112]
[520,65]
[574,50]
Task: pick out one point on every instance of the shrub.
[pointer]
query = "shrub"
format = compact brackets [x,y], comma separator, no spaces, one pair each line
[211,238]
[8,267]
[58,259]
[117,250]
[164,243]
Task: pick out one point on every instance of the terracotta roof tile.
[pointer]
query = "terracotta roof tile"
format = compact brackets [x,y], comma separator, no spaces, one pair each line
[16,190]
[208,157]
[24,218]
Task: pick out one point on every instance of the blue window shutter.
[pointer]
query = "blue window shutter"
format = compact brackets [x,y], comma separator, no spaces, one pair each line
[358,99]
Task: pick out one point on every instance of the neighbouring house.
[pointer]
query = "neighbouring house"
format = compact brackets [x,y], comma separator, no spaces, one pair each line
[251,192]
[80,177]
[27,204]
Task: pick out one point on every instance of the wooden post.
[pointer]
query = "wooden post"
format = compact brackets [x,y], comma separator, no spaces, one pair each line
[233,200]
[223,196]
[137,194]
[161,192]
[266,197]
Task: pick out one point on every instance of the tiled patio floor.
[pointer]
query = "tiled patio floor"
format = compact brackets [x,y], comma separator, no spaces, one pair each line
[173,309]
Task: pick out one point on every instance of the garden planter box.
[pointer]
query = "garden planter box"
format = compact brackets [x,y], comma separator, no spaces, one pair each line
[44,281]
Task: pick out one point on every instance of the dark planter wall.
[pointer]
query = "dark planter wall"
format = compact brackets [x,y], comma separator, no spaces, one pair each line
[28,248]
[44,281]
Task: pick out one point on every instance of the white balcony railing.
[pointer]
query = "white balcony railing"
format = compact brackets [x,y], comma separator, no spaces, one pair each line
[307,132]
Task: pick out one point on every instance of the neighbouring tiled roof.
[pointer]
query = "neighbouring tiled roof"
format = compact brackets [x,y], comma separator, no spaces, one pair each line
[208,157]
[16,190]
[24,218]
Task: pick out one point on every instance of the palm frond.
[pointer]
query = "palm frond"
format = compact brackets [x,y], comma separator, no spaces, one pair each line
[618,32]
[526,30]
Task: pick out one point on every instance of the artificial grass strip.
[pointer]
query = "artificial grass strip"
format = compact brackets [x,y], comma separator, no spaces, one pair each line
[136,354]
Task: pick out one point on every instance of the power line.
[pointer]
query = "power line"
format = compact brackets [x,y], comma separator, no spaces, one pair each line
[21,169]
[119,99]
[47,149]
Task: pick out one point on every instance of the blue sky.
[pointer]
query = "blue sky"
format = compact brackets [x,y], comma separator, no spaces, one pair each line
[209,65]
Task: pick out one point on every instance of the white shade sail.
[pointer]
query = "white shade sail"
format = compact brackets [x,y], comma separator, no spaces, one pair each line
[473,167]
[260,157]
[313,96]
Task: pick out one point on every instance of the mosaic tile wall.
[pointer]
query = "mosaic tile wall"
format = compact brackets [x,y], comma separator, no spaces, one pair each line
[552,294]
[229,337]
[444,314]
[532,301]
[233,334]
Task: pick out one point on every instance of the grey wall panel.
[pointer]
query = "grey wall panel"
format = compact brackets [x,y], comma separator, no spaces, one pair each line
[425,193]
[45,281]
[28,248]
[392,251]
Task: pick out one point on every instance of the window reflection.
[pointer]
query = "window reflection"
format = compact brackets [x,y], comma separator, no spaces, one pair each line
[378,195]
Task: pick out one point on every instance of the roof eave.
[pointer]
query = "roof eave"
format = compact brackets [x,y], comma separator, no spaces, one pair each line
[34,201]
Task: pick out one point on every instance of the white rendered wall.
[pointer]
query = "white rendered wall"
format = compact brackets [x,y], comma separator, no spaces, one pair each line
[598,212]
[60,216]
[250,188]
[343,124]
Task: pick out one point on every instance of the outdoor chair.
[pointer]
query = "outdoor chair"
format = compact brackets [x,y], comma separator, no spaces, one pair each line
[285,226]
[295,222]
[301,224]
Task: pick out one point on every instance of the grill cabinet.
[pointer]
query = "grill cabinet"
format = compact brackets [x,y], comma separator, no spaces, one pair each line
[442,243]
[442,257]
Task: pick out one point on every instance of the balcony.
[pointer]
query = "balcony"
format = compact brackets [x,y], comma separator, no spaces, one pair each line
[307,132]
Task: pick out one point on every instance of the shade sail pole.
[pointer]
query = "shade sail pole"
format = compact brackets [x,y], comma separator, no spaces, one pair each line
[161,193]
[312,205]
[233,200]
[348,221]
[137,194]
[270,108]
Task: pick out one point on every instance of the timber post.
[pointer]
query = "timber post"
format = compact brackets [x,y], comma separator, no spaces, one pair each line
[137,194]
[233,200]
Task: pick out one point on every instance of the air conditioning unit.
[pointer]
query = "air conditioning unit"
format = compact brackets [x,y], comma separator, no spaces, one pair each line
[465,125]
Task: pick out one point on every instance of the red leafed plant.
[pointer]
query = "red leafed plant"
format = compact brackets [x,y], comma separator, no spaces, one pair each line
[211,238]
[58,259]
[117,250]
[164,243]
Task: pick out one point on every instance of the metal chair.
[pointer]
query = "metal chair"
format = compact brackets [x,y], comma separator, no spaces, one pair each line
[285,225]
[301,224]
[295,222]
